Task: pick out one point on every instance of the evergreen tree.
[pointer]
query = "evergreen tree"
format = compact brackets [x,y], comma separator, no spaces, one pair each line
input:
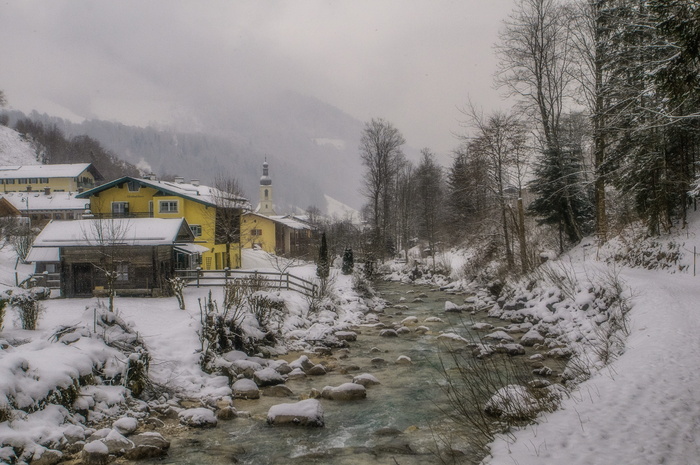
[348,261]
[323,265]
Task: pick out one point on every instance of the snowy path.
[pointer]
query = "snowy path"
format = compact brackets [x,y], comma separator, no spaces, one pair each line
[645,407]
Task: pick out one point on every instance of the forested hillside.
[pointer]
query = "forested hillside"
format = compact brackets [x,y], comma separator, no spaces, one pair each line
[311,148]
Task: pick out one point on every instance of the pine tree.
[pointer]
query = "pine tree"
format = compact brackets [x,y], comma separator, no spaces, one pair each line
[323,265]
[348,261]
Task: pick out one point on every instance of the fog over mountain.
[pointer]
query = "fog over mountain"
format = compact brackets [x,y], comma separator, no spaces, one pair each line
[312,147]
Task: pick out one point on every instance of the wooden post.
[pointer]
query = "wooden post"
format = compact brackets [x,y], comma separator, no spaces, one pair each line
[199,273]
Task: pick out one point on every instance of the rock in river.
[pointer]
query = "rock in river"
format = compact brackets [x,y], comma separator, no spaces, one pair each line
[307,412]
[346,391]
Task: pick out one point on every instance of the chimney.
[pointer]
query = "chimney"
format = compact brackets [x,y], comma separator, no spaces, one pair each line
[195,182]
[47,191]
[179,180]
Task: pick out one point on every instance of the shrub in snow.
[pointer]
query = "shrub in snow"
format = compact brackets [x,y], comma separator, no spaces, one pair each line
[28,307]
[348,261]
[3,304]
[136,371]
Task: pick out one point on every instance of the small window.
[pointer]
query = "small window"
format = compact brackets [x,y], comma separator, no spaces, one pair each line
[132,185]
[57,216]
[122,271]
[167,206]
[9,181]
[22,181]
[120,209]
[256,232]
[196,229]
[33,180]
[44,180]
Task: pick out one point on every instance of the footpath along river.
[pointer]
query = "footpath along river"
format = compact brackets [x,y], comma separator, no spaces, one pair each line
[400,421]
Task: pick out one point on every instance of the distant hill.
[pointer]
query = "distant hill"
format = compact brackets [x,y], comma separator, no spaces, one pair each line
[311,148]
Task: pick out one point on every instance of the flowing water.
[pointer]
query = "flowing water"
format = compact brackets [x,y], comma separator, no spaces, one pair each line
[399,422]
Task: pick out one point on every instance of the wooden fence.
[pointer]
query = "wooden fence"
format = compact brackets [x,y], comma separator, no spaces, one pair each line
[270,279]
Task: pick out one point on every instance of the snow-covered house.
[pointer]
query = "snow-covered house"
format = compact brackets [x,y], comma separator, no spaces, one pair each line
[281,235]
[213,215]
[141,252]
[69,177]
[40,207]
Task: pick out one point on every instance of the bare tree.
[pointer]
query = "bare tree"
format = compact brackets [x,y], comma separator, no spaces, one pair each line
[229,202]
[536,62]
[405,206]
[380,151]
[108,235]
[501,140]
[429,199]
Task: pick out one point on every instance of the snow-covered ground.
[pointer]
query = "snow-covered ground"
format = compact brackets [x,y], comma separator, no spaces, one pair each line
[14,150]
[643,408]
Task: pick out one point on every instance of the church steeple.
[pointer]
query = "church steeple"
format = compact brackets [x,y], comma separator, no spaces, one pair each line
[265,207]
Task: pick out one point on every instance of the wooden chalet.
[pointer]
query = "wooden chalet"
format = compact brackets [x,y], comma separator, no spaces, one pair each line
[142,253]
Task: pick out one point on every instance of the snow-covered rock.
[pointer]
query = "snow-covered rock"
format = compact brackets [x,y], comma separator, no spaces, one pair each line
[267,377]
[198,417]
[531,338]
[245,389]
[365,379]
[346,391]
[307,412]
[513,402]
[126,425]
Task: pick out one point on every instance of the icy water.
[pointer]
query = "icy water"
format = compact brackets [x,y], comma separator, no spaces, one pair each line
[398,423]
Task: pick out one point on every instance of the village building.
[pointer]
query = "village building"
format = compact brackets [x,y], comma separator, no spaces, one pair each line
[73,177]
[42,206]
[141,253]
[212,215]
[277,234]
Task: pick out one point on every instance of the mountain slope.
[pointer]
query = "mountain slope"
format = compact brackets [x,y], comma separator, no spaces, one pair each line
[15,150]
[311,147]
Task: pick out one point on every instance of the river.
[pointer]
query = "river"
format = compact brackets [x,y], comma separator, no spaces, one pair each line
[400,421]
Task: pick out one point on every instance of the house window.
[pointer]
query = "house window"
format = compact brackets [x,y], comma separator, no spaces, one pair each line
[57,216]
[9,181]
[44,180]
[33,180]
[133,186]
[266,194]
[120,209]
[256,232]
[22,181]
[122,271]
[196,229]
[167,206]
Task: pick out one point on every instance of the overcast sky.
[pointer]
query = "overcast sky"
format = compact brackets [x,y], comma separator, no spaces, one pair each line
[411,62]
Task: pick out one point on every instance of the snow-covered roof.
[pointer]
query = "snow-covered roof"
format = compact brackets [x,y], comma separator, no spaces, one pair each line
[196,192]
[288,221]
[38,201]
[68,170]
[118,231]
[43,254]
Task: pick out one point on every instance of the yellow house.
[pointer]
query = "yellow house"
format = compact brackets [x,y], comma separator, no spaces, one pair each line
[213,216]
[280,235]
[73,177]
